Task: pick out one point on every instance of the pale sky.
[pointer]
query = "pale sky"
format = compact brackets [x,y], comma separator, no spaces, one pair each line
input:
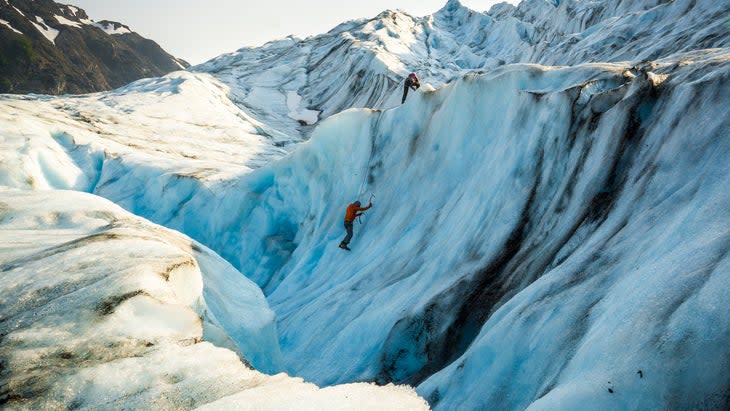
[197,30]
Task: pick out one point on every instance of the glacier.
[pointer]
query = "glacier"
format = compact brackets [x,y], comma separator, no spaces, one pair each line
[105,310]
[362,63]
[577,228]
[550,229]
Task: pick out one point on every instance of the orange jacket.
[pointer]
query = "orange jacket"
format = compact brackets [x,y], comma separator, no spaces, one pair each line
[352,210]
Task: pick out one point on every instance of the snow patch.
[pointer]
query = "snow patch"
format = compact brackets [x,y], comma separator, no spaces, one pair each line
[353,397]
[8,25]
[296,112]
[110,28]
[657,79]
[67,22]
[48,32]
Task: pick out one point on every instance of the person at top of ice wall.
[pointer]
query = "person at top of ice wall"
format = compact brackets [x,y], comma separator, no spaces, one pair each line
[410,83]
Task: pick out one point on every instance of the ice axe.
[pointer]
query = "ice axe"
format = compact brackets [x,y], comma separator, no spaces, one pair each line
[370,201]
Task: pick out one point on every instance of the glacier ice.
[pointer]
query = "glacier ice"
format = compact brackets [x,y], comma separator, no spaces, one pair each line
[550,224]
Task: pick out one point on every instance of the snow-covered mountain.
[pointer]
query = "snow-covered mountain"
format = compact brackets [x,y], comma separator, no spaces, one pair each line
[291,82]
[551,219]
[52,48]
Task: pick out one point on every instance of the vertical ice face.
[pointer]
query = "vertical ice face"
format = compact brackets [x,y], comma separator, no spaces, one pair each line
[518,216]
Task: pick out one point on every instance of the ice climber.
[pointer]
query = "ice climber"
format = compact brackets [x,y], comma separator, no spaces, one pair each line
[411,83]
[353,211]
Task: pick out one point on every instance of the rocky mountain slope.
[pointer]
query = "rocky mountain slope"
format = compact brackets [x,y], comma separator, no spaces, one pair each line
[52,48]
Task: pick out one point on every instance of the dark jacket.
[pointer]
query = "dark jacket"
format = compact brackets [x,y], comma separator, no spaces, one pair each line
[411,83]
